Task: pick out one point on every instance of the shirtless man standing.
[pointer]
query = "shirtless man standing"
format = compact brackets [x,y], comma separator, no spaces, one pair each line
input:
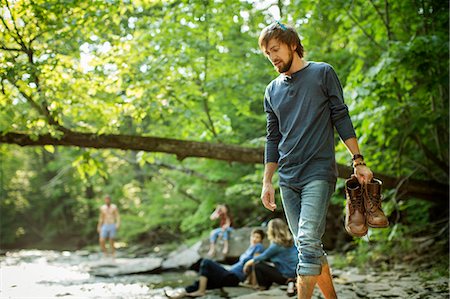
[108,224]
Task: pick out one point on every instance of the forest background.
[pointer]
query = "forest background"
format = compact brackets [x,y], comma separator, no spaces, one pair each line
[159,104]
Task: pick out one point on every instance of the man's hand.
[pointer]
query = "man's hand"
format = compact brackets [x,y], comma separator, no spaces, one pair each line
[363,174]
[268,197]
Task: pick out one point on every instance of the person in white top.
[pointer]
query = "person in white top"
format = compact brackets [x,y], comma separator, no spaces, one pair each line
[108,224]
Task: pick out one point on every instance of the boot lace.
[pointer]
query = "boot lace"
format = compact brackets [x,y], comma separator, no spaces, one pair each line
[356,201]
[374,200]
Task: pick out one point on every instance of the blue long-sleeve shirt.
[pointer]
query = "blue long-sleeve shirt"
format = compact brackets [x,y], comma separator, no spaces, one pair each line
[238,268]
[284,258]
[302,112]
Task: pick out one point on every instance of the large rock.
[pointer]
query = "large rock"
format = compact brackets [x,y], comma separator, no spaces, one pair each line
[185,257]
[238,243]
[274,292]
[123,266]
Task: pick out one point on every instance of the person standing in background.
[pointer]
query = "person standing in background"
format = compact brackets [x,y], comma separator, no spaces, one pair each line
[108,224]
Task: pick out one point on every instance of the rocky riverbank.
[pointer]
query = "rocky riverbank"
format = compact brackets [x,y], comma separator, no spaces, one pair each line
[141,273]
[53,274]
[402,281]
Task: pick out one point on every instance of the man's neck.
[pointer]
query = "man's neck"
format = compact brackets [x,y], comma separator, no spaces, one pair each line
[297,64]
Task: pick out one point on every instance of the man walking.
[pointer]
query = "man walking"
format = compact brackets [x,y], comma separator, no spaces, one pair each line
[108,224]
[303,106]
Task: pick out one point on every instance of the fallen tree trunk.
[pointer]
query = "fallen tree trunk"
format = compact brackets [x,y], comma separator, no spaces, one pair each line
[429,190]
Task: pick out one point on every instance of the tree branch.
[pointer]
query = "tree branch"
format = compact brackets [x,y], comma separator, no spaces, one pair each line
[429,190]
[14,24]
[210,123]
[9,29]
[188,172]
[10,49]
[20,41]
[364,31]
[181,148]
[42,109]
[378,12]
[385,21]
[430,155]
[181,191]
[184,170]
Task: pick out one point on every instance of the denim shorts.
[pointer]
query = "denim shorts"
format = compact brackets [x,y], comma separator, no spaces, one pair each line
[306,210]
[108,231]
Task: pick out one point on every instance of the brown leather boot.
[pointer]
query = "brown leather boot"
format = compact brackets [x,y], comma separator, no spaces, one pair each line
[372,203]
[355,218]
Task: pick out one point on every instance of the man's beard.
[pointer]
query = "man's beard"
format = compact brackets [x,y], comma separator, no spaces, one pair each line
[286,67]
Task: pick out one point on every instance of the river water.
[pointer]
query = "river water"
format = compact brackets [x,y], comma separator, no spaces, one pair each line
[53,274]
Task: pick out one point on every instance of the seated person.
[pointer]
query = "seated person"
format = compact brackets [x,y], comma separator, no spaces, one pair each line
[226,225]
[214,276]
[282,255]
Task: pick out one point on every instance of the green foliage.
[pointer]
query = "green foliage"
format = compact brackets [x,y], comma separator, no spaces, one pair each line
[193,70]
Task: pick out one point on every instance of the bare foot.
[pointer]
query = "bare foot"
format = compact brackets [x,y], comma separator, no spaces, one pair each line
[211,252]
[175,294]
[225,248]
[249,285]
[195,294]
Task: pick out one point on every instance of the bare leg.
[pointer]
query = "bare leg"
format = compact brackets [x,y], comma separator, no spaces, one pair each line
[212,249]
[225,247]
[202,282]
[325,283]
[112,248]
[102,246]
[251,279]
[305,286]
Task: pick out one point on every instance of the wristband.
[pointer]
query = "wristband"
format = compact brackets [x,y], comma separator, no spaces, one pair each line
[358,163]
[357,156]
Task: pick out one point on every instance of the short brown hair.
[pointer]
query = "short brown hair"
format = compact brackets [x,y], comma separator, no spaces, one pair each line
[259,232]
[284,33]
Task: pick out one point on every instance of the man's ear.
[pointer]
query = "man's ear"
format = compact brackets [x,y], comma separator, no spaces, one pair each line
[293,47]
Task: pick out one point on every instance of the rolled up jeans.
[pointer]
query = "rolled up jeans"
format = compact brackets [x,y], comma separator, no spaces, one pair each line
[219,231]
[306,210]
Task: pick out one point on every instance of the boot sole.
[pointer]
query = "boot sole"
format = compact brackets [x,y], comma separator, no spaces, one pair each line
[378,226]
[355,235]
